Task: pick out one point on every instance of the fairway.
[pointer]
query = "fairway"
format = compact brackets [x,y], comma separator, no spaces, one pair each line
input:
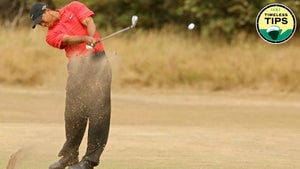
[160,130]
[188,84]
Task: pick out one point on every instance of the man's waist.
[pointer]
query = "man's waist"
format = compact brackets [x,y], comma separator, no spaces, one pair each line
[86,54]
[81,51]
[98,54]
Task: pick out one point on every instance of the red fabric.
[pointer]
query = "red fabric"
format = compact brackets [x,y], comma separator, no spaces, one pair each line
[69,23]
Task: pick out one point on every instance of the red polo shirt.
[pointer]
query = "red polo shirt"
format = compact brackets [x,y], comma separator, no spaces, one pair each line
[70,23]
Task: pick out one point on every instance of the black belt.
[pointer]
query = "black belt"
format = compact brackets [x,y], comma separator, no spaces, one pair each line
[98,54]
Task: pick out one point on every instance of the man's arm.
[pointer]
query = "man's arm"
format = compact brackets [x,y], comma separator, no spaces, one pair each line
[74,40]
[91,27]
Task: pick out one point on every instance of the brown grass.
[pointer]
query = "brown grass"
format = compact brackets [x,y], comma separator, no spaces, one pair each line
[26,59]
[163,59]
[166,59]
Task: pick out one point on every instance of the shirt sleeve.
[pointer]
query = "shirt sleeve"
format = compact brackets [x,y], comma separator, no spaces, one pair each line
[80,10]
[55,39]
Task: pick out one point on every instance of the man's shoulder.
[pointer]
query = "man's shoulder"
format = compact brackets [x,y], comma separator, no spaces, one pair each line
[73,7]
[74,4]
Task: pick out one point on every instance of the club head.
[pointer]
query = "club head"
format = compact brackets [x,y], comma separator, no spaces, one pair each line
[134,20]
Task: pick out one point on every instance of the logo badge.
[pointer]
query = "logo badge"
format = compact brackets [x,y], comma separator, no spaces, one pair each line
[276,23]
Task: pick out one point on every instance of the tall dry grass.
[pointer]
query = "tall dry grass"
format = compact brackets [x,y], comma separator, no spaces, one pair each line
[168,59]
[163,59]
[25,58]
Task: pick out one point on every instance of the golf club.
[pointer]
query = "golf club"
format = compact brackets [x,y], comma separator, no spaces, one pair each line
[134,20]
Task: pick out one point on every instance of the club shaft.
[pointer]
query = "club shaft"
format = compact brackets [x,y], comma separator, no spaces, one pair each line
[113,34]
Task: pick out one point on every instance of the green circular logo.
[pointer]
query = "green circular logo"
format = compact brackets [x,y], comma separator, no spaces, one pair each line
[276,23]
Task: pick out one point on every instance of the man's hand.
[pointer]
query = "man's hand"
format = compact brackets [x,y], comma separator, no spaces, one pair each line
[89,40]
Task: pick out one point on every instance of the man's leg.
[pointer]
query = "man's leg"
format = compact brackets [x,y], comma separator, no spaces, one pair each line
[99,122]
[75,122]
[75,110]
[75,125]
[99,112]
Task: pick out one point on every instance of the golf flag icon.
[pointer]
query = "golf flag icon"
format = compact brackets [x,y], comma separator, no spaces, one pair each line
[273,32]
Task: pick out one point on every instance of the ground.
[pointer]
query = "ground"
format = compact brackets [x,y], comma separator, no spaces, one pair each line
[160,130]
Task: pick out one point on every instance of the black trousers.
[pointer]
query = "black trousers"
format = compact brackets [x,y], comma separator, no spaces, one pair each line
[87,102]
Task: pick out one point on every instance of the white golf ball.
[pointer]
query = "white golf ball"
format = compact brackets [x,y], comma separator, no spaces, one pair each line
[191,26]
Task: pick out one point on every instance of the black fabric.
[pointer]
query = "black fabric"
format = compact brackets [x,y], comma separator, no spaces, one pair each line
[88,103]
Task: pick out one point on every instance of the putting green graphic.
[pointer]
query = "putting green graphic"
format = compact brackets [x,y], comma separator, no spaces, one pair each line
[276,23]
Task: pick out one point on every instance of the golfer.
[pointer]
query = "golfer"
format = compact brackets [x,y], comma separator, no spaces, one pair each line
[88,85]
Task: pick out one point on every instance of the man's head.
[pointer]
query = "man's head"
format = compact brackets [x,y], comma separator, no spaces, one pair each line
[36,13]
[40,14]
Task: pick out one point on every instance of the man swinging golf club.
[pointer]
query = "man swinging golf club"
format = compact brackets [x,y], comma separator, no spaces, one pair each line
[89,81]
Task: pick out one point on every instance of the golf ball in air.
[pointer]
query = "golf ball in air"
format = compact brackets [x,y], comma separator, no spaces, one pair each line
[191,26]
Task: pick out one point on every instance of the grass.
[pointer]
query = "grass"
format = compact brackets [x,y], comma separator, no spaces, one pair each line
[161,59]
[25,57]
[160,131]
